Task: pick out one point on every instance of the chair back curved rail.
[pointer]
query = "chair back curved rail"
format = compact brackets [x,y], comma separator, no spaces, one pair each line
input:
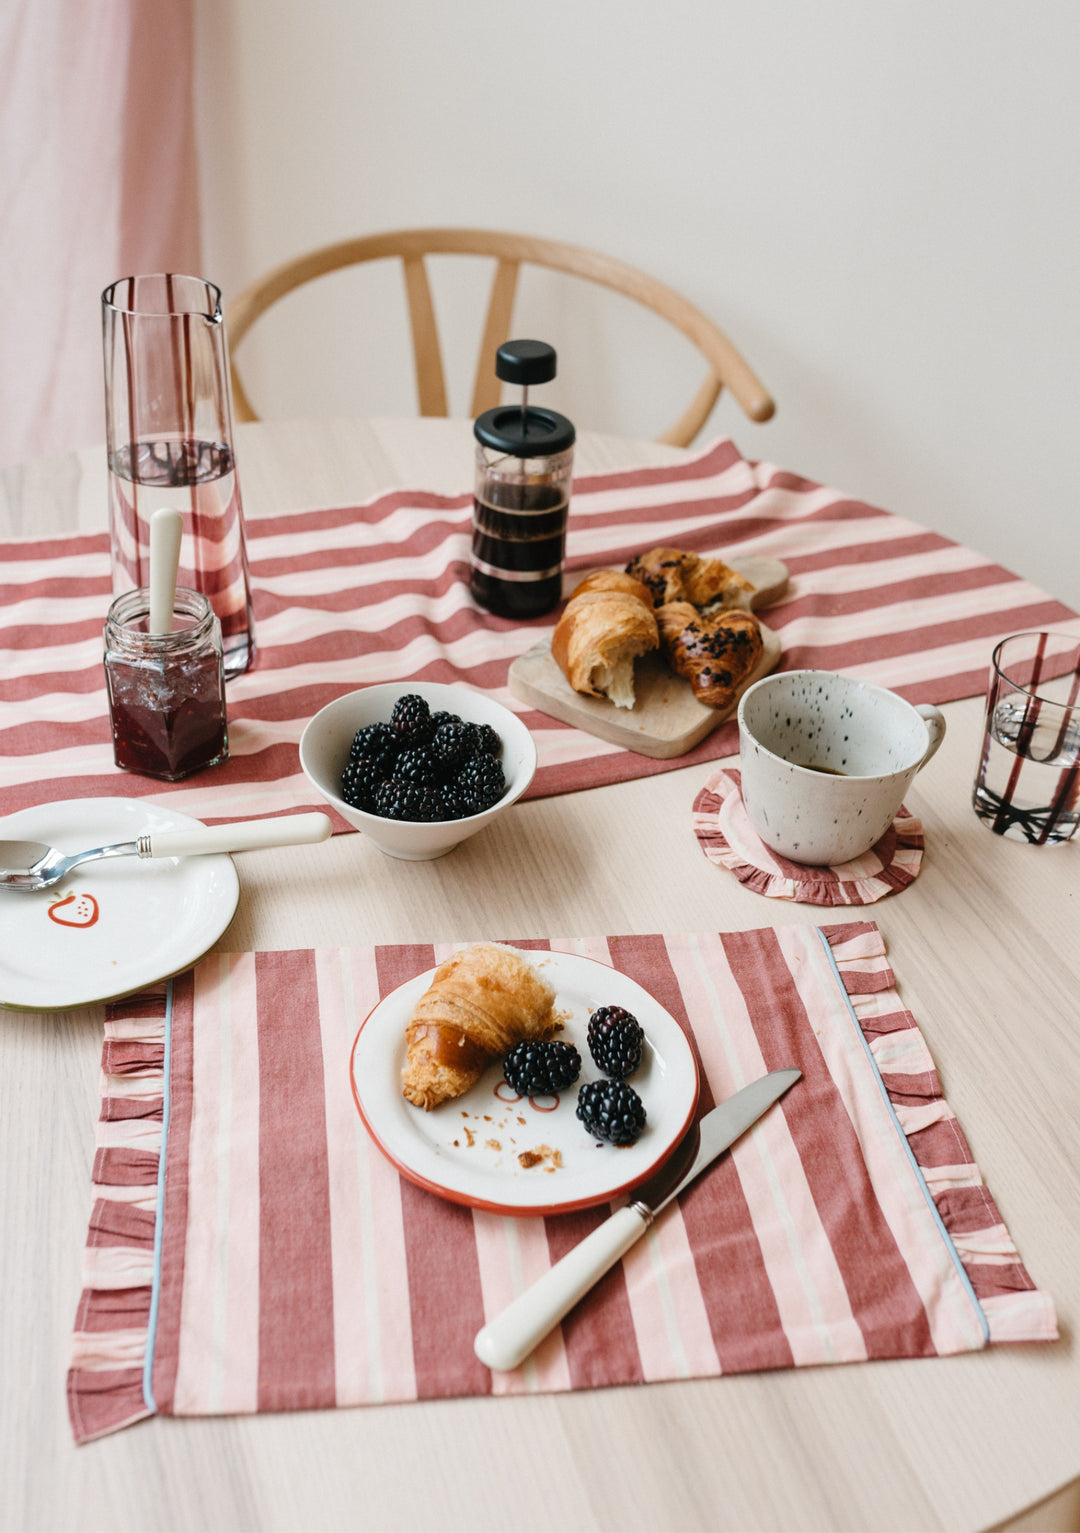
[727,368]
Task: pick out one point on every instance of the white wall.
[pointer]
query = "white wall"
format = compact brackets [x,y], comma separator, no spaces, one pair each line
[878,202]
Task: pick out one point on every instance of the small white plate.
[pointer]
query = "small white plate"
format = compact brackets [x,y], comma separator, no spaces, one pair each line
[144,918]
[469,1150]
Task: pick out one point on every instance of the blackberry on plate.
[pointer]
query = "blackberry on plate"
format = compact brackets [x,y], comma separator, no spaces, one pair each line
[615,1041]
[479,784]
[535,1069]
[417,764]
[411,720]
[442,717]
[611,1110]
[360,780]
[398,800]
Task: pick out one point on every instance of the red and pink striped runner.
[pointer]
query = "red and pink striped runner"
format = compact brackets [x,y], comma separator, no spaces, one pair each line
[275,1260]
[353,595]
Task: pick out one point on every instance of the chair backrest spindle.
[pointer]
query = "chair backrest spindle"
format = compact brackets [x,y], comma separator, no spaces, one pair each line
[430,382]
[487,388]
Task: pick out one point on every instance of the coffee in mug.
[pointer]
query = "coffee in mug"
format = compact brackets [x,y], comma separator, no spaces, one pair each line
[825,761]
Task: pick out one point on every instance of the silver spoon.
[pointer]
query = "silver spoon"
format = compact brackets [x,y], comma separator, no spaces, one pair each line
[29,865]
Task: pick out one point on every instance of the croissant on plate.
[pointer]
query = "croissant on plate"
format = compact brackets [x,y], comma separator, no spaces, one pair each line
[480,1002]
[607,623]
[715,654]
[672,574]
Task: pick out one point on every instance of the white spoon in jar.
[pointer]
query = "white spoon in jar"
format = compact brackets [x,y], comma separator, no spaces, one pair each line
[166,531]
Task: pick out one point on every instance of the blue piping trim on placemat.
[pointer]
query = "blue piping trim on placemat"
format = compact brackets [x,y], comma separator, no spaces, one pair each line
[159,1220]
[946,1237]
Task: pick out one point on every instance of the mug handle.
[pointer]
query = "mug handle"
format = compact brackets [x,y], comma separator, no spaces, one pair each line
[934,720]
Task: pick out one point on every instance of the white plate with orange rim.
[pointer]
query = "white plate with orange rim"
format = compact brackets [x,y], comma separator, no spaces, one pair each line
[110,927]
[493,1150]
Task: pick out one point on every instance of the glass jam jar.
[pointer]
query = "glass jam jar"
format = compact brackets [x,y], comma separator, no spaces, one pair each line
[166,690]
[521,502]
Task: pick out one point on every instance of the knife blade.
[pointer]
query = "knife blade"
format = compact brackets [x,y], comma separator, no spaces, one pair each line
[508,1339]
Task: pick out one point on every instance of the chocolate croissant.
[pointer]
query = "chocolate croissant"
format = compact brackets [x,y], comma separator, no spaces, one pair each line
[715,654]
[480,1002]
[607,623]
[672,574]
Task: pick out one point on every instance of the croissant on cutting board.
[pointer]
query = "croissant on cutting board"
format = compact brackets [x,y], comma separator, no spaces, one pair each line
[673,575]
[480,1002]
[607,623]
[715,654]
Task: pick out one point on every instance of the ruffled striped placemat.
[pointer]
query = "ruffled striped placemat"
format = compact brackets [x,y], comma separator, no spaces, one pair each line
[725,835]
[250,1249]
[353,595]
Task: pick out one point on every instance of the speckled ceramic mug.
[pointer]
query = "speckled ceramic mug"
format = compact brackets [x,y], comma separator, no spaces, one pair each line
[826,760]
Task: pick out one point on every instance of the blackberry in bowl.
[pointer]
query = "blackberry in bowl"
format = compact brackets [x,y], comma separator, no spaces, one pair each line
[410,721]
[454,741]
[456,758]
[479,784]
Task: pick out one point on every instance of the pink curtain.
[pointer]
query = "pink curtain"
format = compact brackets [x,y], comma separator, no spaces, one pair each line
[97,181]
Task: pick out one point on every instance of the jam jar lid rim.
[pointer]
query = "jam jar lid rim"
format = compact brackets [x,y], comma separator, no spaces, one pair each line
[121,634]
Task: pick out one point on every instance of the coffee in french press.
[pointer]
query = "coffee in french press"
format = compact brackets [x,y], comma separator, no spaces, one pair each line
[524,462]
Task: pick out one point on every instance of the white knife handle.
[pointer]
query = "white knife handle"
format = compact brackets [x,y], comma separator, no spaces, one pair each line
[508,1339]
[246,836]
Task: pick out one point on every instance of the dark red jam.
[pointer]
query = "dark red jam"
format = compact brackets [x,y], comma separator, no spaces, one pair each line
[166,691]
[177,731]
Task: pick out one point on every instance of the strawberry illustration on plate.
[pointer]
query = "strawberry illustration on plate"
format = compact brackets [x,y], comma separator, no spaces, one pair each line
[77,910]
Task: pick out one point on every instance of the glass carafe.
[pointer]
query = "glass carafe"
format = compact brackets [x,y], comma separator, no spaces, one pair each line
[169,436]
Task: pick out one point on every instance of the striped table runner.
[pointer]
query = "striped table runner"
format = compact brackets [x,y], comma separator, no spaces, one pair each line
[353,595]
[251,1250]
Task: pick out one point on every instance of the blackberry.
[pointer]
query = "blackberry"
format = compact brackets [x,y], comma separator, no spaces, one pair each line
[611,1110]
[450,805]
[490,743]
[360,781]
[430,805]
[398,800]
[615,1041]
[373,740]
[535,1069]
[453,743]
[417,764]
[479,784]
[411,720]
[442,717]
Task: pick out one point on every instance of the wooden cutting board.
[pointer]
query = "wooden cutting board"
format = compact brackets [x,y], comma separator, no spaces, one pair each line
[666,720]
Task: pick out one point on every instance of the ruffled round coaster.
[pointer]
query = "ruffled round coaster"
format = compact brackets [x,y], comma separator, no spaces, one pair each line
[726,836]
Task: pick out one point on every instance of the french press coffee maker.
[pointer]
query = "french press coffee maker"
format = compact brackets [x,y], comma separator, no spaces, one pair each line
[524,460]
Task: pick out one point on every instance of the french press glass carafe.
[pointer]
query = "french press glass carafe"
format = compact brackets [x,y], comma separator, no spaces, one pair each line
[524,460]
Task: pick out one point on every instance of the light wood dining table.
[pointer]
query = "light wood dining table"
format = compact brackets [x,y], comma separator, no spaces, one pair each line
[986,948]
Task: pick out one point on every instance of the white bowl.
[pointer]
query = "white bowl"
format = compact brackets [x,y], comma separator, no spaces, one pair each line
[324,750]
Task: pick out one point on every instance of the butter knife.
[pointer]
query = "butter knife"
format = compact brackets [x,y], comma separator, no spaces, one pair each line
[508,1339]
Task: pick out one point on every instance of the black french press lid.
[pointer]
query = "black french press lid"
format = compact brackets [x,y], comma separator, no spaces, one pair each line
[524,430]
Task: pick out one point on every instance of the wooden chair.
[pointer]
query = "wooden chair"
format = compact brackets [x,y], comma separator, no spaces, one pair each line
[726,367]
